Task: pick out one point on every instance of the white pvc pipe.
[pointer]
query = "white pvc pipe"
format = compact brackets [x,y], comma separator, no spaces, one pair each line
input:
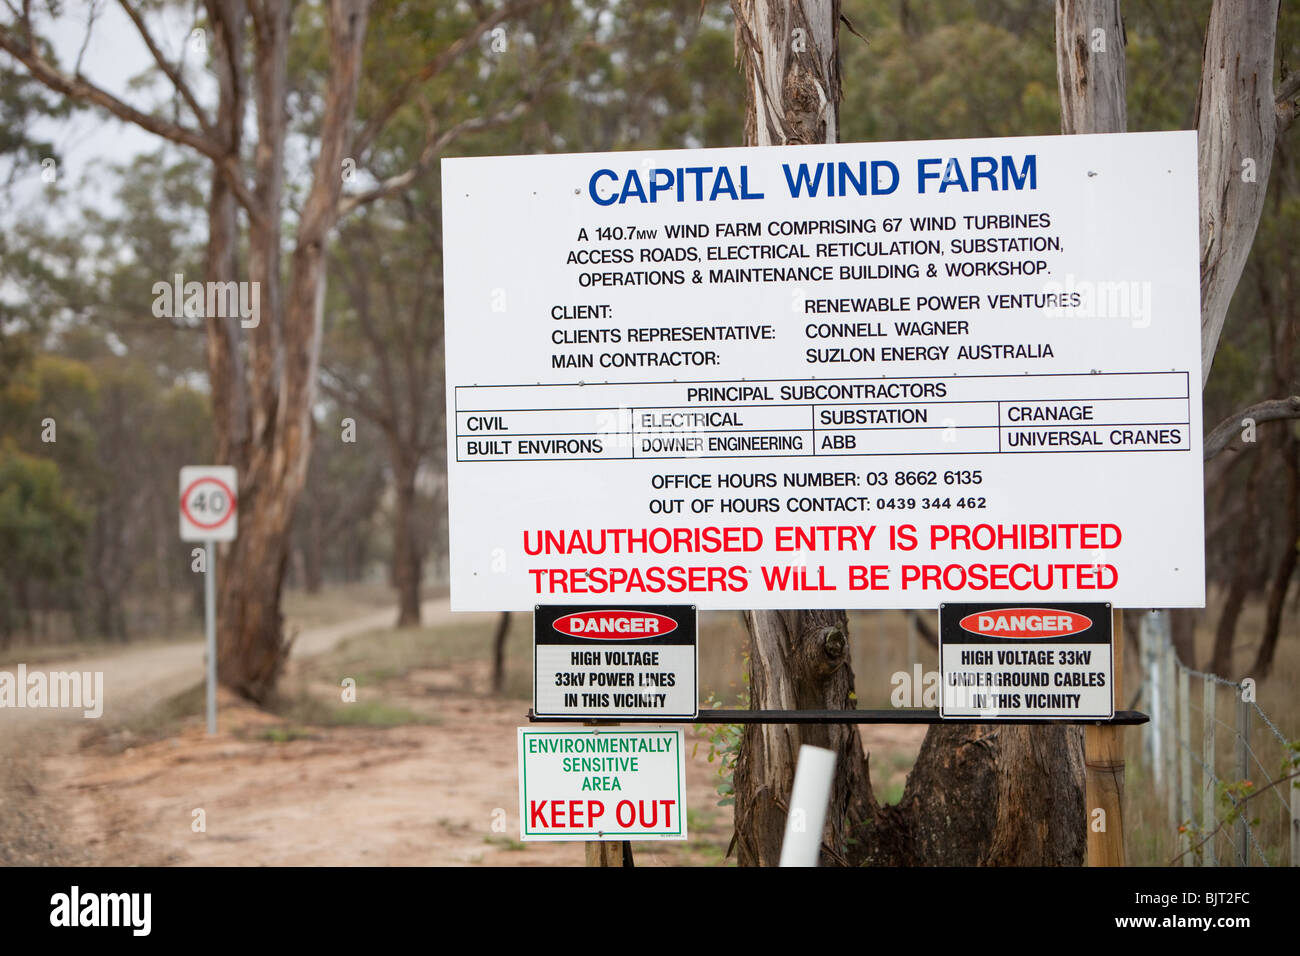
[813,776]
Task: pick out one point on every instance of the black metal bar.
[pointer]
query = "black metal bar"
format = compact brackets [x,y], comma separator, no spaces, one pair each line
[901,715]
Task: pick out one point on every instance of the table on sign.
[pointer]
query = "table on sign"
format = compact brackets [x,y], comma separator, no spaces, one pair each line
[957,414]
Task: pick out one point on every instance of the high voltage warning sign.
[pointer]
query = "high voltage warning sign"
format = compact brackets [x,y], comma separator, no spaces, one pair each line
[615,661]
[999,660]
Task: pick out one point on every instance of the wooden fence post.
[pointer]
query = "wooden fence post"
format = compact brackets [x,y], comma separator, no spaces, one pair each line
[1103,746]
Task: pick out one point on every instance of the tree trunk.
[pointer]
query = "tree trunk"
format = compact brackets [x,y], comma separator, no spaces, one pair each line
[407,553]
[162,539]
[1288,449]
[1285,568]
[252,648]
[312,577]
[792,89]
[1236,121]
[1182,630]
[798,659]
[981,796]
[1090,73]
[1239,586]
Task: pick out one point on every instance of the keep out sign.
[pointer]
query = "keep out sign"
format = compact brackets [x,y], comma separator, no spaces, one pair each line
[591,783]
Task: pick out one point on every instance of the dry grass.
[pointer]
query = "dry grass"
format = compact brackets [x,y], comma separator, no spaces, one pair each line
[1151,833]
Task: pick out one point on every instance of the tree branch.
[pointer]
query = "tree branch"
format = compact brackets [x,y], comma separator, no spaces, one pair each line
[1272,410]
[923,628]
[397,99]
[80,89]
[172,73]
[433,147]
[85,41]
[335,386]
[1244,800]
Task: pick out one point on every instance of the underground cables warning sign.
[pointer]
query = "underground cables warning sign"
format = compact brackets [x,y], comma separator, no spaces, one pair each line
[998,660]
[615,661]
[610,783]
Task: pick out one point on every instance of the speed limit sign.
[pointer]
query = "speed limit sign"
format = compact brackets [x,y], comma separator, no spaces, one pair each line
[209,500]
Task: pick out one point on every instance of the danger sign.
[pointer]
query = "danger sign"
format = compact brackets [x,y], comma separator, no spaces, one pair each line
[208,503]
[1015,660]
[590,783]
[615,661]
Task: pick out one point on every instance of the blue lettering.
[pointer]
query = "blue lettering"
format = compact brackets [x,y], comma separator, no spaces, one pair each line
[591,186]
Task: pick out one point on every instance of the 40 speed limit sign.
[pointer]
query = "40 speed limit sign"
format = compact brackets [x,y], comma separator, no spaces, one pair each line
[209,500]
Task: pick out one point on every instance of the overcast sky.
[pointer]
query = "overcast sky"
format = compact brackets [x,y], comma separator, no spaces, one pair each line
[91,140]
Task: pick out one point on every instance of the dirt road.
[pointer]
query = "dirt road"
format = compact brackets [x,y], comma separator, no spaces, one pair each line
[140,677]
[263,793]
[269,791]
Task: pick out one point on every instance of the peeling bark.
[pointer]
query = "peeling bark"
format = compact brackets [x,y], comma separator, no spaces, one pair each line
[1237,122]
[788,51]
[987,796]
[1090,74]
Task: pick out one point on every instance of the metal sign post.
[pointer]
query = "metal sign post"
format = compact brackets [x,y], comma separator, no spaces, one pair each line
[208,502]
[210,627]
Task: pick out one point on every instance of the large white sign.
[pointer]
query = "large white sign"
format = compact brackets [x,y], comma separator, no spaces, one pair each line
[608,783]
[209,501]
[862,375]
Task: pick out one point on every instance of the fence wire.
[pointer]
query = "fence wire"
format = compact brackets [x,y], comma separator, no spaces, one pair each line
[1250,833]
[1165,700]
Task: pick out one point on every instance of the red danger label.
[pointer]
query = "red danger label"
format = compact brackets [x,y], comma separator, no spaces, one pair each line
[1029,622]
[615,625]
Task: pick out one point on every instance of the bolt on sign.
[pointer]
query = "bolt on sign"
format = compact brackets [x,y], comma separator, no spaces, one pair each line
[607,783]
[1017,660]
[208,503]
[615,661]
[871,375]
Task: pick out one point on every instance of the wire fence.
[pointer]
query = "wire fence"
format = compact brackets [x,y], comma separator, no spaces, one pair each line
[1224,769]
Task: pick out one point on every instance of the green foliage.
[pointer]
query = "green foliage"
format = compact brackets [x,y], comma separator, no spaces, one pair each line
[1233,798]
[41,530]
[23,101]
[725,742]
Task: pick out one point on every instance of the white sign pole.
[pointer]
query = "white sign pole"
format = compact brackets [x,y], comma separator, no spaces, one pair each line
[209,501]
[210,623]
[809,799]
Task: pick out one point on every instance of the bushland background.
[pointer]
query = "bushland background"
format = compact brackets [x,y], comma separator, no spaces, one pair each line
[101,400]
